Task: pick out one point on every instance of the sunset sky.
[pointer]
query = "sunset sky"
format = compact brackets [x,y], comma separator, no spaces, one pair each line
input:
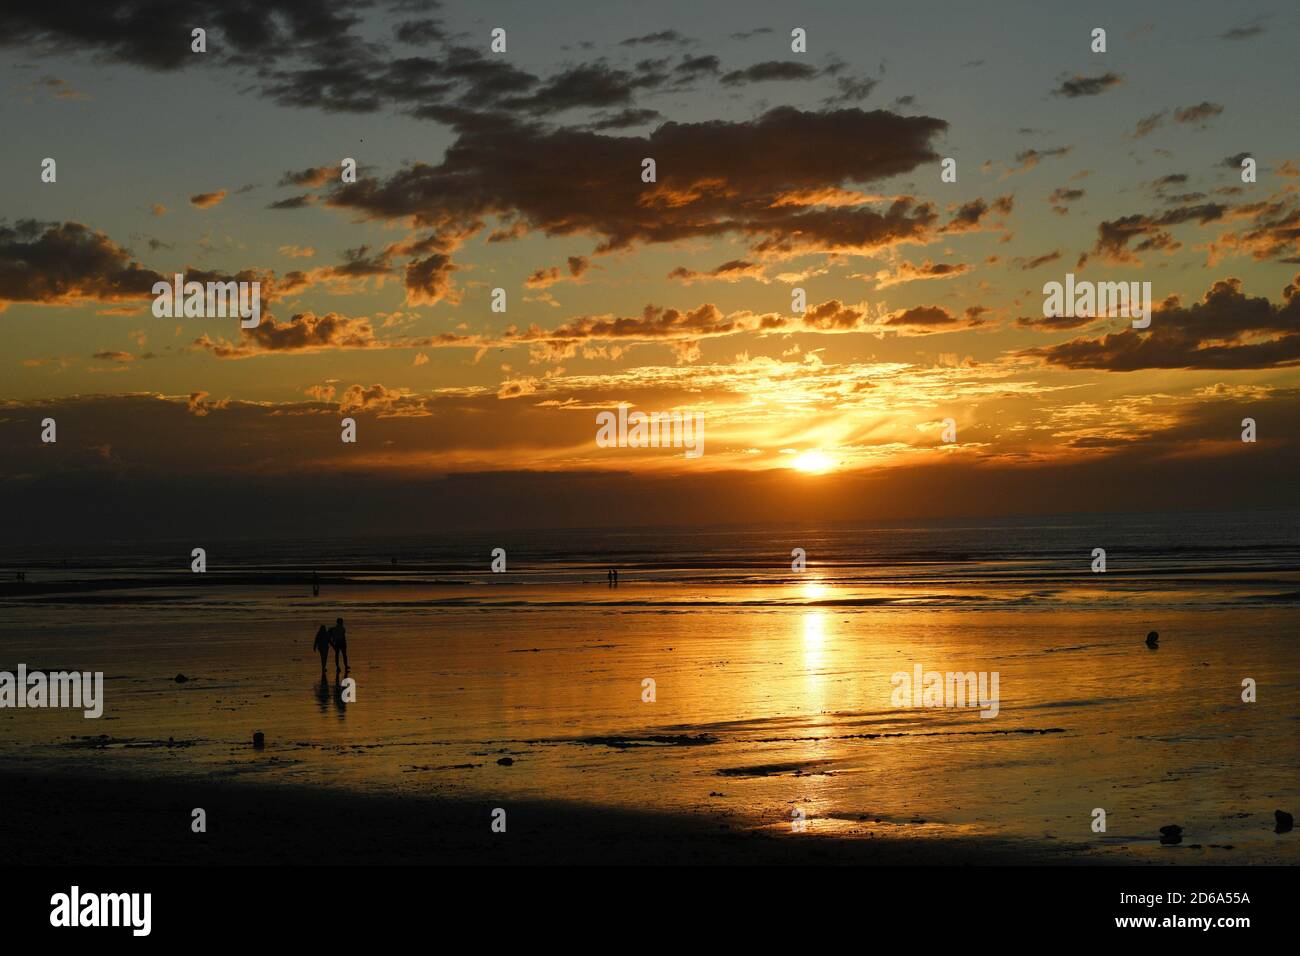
[522,170]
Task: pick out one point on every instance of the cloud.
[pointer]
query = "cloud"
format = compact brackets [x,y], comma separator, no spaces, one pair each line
[1034,262]
[1149,124]
[732,271]
[48,263]
[543,278]
[662,37]
[624,119]
[1245,32]
[1078,85]
[1199,114]
[923,319]
[293,202]
[305,332]
[1273,233]
[714,178]
[428,280]
[311,178]
[207,200]
[1227,329]
[1027,159]
[905,271]
[1115,237]
[770,70]
[693,66]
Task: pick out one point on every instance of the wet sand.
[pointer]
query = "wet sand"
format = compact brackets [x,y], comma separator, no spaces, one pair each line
[773,703]
[71,820]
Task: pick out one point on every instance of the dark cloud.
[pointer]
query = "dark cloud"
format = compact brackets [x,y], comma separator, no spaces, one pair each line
[592,85]
[157,35]
[1027,159]
[207,200]
[428,280]
[311,178]
[1065,194]
[761,178]
[1227,329]
[663,36]
[730,271]
[624,119]
[1149,124]
[924,319]
[1199,114]
[62,263]
[1055,323]
[542,278]
[856,89]
[305,332]
[293,202]
[698,66]
[1273,232]
[1119,239]
[770,70]
[1078,85]
[1034,262]
[420,32]
[1242,32]
[970,216]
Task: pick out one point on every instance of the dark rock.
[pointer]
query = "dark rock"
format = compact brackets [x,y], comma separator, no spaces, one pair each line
[1153,639]
[1284,821]
[1171,835]
[181,679]
[506,762]
[259,739]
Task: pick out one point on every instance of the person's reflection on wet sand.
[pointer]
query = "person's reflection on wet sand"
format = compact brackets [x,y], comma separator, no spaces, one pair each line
[323,694]
[341,707]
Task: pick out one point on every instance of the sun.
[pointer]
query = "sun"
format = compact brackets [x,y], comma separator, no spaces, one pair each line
[813,462]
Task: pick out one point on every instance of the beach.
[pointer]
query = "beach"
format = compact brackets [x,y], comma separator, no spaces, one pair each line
[773,733]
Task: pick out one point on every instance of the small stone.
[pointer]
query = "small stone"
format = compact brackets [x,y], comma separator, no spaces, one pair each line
[506,762]
[1284,821]
[1171,835]
[259,739]
[181,679]
[1153,639]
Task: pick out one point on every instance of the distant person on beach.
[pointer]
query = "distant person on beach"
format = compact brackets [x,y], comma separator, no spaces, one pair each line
[315,585]
[615,573]
[339,640]
[609,576]
[322,645]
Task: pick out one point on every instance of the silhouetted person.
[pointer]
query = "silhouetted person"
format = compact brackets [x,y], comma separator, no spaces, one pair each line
[615,573]
[609,576]
[339,639]
[322,645]
[315,585]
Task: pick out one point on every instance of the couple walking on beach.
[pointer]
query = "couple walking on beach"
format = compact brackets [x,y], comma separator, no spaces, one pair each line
[337,638]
